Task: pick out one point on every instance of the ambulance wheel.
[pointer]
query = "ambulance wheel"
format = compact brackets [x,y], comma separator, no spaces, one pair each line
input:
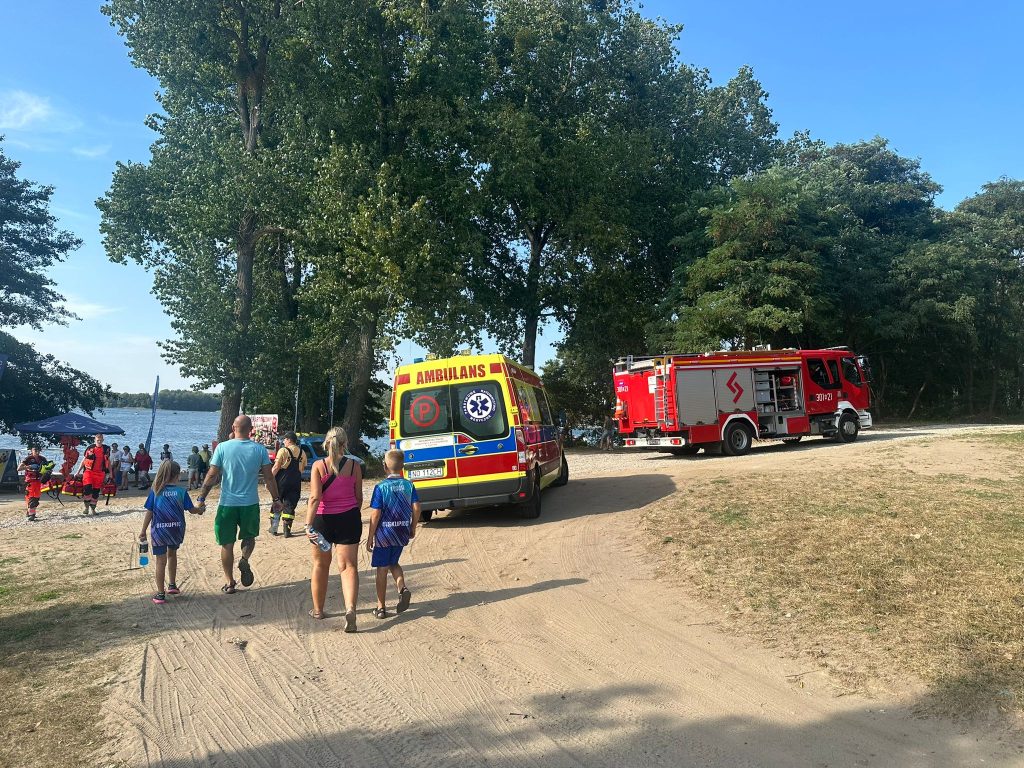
[530,510]
[563,473]
[849,428]
[792,440]
[738,439]
[690,450]
[426,515]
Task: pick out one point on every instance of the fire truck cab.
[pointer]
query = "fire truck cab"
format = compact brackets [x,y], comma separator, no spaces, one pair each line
[682,402]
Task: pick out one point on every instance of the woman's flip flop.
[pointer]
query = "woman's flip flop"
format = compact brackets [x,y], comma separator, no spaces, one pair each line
[314,615]
[228,589]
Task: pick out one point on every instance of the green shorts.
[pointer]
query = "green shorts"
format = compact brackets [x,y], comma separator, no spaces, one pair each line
[239,523]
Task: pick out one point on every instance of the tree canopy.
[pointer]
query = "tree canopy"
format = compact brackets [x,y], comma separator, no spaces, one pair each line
[33,385]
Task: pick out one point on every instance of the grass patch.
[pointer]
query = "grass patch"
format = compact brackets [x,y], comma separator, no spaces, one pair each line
[55,656]
[886,576]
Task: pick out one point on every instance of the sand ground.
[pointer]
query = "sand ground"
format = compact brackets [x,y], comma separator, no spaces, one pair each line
[547,642]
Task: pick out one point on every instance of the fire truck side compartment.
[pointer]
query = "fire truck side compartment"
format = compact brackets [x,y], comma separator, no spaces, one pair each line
[695,397]
[734,388]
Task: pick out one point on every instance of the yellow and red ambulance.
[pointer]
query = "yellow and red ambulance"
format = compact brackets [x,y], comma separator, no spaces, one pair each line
[476,430]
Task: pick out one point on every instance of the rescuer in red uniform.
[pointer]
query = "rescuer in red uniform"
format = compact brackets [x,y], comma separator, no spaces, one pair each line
[95,471]
[32,466]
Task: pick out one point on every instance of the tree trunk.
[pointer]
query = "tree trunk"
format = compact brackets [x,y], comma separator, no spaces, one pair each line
[531,310]
[230,401]
[917,399]
[993,393]
[359,384]
[970,385]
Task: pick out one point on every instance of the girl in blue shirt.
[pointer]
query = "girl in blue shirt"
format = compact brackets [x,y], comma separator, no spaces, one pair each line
[165,511]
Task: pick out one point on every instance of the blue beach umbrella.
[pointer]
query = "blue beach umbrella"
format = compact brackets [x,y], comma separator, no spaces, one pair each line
[70,424]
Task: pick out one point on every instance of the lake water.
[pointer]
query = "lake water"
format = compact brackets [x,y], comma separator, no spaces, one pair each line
[179,429]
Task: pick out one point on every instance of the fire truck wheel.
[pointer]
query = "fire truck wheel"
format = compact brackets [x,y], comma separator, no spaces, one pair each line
[792,440]
[737,439]
[563,473]
[849,427]
[426,515]
[530,510]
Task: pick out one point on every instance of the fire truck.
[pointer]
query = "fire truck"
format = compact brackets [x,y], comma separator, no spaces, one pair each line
[681,403]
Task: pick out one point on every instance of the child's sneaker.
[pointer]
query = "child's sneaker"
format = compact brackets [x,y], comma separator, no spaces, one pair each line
[172,589]
[159,598]
[404,597]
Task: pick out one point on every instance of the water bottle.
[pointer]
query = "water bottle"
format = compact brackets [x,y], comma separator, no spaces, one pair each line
[321,542]
[143,553]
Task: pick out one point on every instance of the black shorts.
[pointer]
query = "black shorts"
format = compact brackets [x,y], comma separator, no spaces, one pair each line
[343,528]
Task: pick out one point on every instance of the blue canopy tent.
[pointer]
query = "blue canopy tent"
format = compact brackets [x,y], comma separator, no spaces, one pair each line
[70,424]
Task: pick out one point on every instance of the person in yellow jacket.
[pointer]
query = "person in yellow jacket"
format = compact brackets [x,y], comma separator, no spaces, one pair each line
[289,465]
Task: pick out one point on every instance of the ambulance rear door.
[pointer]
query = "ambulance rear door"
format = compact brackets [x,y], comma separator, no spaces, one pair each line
[424,433]
[485,445]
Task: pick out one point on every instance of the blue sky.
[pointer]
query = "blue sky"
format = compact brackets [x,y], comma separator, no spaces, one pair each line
[941,80]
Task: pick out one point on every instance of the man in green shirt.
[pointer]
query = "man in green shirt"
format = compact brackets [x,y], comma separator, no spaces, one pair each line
[239,463]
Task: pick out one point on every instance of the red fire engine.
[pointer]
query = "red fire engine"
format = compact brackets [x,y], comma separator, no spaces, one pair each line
[682,403]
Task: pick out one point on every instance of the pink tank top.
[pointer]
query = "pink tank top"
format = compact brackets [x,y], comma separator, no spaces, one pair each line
[340,495]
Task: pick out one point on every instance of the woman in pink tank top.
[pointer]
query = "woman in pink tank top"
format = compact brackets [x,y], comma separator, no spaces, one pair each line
[335,500]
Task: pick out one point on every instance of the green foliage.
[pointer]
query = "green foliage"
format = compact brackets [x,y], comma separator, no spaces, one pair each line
[34,386]
[30,244]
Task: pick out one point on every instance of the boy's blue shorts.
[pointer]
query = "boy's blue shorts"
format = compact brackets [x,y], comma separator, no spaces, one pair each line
[161,549]
[385,556]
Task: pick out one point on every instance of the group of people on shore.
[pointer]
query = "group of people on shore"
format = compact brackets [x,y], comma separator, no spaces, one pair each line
[334,523]
[102,465]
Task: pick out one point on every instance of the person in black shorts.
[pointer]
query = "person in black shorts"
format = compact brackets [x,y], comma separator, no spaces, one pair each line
[335,501]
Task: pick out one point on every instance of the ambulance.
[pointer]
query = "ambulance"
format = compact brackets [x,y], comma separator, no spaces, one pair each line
[477,431]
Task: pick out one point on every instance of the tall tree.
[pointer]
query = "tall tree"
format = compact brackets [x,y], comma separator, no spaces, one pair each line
[389,224]
[207,196]
[563,134]
[33,386]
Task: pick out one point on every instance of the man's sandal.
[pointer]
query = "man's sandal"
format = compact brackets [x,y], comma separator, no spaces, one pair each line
[246,571]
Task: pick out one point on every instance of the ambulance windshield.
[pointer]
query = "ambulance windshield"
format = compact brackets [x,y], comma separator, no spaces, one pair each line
[476,409]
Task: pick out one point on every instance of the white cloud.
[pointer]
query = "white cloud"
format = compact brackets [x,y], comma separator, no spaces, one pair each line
[88,310]
[91,152]
[20,110]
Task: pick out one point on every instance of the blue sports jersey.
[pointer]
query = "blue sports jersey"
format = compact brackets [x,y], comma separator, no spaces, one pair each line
[168,526]
[394,498]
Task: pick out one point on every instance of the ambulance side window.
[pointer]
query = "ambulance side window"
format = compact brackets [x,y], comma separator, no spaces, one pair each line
[529,411]
[479,410]
[545,408]
[425,412]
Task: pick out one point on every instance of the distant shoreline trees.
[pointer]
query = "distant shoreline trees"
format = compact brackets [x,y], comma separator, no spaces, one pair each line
[169,400]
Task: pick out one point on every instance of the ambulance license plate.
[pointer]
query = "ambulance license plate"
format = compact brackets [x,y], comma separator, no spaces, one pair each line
[428,472]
